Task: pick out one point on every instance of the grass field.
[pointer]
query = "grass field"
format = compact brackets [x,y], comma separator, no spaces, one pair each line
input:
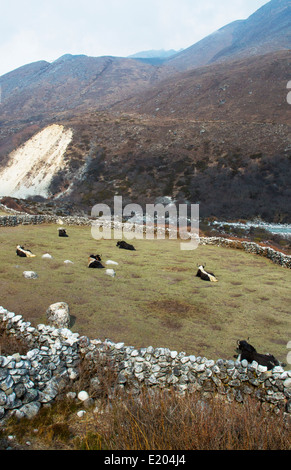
[155,298]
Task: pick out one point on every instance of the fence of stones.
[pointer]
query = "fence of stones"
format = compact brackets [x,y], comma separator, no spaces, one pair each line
[275,256]
[27,219]
[30,381]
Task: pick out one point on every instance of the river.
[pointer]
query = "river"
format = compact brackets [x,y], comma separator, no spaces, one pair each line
[280,229]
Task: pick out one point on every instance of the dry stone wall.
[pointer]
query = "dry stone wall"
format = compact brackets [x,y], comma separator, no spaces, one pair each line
[29,381]
[27,219]
[250,247]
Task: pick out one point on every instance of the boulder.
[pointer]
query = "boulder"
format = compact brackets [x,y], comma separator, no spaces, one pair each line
[110,272]
[30,275]
[30,410]
[83,395]
[58,315]
[47,256]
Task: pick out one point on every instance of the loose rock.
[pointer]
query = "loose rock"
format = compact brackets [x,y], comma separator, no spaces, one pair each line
[30,275]
[58,315]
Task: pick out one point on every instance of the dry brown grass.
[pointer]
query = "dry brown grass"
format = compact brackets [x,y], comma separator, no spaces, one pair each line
[10,345]
[163,420]
[152,419]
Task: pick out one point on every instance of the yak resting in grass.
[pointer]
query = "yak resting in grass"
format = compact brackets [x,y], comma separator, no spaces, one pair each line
[206,276]
[94,261]
[248,352]
[62,232]
[23,253]
[125,245]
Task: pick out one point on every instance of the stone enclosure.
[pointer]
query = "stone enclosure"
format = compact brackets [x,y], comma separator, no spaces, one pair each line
[29,381]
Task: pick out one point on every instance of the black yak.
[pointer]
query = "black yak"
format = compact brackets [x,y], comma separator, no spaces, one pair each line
[248,352]
[94,261]
[62,232]
[206,276]
[23,253]
[125,245]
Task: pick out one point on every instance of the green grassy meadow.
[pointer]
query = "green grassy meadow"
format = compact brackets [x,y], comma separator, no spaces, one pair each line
[155,298]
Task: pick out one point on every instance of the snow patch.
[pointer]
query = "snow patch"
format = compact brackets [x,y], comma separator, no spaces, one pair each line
[32,166]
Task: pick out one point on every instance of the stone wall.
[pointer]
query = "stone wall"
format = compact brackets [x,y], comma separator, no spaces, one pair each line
[27,219]
[250,247]
[29,381]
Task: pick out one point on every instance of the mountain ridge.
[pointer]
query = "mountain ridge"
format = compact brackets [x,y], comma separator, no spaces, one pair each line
[161,53]
[268,29]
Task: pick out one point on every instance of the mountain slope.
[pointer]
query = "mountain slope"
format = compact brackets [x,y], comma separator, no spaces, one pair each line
[232,169]
[223,127]
[72,82]
[203,52]
[40,93]
[252,90]
[266,30]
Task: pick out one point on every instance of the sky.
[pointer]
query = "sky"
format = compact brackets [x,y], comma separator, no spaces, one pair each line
[32,30]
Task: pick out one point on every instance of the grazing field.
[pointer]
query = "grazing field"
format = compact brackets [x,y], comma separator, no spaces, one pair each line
[155,298]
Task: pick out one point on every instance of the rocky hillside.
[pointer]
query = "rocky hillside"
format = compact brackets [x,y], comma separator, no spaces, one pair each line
[218,136]
[250,90]
[203,138]
[71,82]
[40,93]
[146,159]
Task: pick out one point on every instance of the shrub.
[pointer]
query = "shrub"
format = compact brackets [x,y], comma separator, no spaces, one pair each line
[10,345]
[149,419]
[163,420]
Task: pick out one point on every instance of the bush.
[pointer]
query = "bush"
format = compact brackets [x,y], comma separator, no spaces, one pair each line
[148,419]
[164,420]
[10,345]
